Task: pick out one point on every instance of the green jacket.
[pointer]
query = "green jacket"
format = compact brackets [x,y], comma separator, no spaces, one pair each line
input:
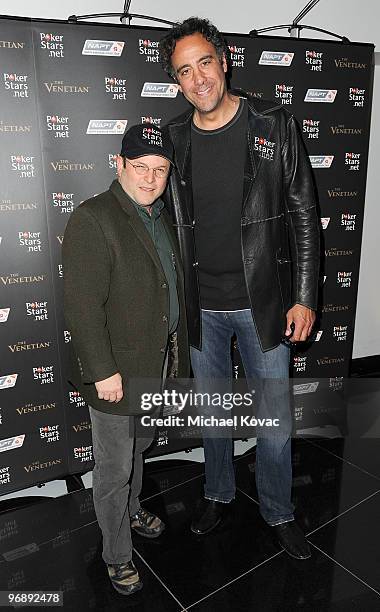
[116,298]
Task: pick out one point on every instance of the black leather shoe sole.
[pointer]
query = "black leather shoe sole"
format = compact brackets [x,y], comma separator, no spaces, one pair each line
[203,532]
[294,556]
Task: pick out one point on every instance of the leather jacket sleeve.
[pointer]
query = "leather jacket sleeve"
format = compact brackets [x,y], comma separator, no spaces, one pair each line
[301,213]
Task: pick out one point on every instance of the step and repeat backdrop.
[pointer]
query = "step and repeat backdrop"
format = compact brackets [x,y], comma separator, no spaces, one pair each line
[68,92]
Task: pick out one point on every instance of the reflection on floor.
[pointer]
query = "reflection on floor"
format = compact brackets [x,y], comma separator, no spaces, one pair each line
[56,544]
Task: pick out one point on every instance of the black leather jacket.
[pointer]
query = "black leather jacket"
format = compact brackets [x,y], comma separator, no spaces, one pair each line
[279,223]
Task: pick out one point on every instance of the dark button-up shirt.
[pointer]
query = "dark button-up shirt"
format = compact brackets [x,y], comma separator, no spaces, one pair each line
[157,232]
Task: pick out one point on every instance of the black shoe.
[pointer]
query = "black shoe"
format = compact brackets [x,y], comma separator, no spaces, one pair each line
[147,524]
[292,539]
[207,516]
[124,577]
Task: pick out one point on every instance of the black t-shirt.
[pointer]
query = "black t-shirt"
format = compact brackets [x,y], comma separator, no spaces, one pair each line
[218,158]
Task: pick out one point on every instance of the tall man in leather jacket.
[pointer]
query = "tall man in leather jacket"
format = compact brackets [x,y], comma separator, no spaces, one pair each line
[241,192]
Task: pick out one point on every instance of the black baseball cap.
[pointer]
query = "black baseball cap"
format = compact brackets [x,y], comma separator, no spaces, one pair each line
[146,139]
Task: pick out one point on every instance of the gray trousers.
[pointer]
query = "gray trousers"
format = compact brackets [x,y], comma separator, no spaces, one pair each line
[116,480]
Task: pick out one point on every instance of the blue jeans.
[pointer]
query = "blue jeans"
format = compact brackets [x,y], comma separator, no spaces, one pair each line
[273,453]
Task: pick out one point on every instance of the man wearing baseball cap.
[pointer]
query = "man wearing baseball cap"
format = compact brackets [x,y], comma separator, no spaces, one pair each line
[124,306]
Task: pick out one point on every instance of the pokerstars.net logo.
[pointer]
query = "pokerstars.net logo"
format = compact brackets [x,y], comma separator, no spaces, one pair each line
[116,87]
[37,310]
[64,202]
[149,49]
[31,241]
[299,363]
[16,84]
[49,433]
[276,58]
[356,96]
[237,55]
[83,453]
[23,165]
[52,43]
[43,374]
[58,125]
[344,279]
[154,137]
[112,157]
[162,437]
[320,95]
[264,147]
[314,60]
[284,93]
[340,333]
[336,383]
[310,127]
[5,476]
[66,336]
[348,221]
[76,399]
[352,161]
[152,120]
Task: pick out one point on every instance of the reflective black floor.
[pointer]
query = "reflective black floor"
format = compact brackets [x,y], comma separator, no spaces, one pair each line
[56,544]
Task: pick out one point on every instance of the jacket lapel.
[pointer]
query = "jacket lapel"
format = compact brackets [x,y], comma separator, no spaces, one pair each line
[136,223]
[259,126]
[173,241]
[180,134]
